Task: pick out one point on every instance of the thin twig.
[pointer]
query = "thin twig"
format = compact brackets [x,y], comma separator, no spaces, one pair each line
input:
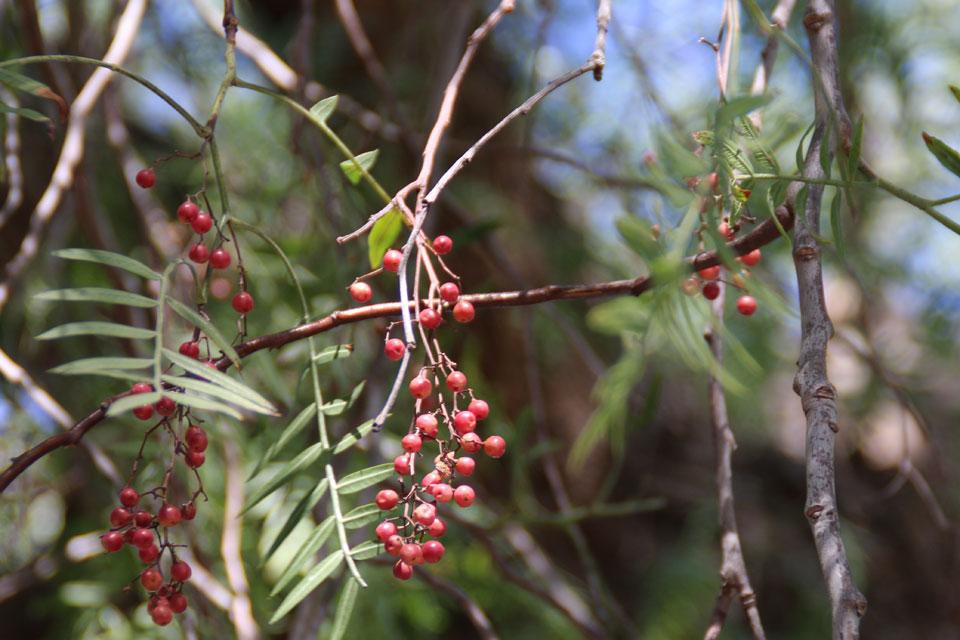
[599,56]
[241,611]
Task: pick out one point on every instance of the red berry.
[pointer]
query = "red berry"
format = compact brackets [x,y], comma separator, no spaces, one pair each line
[449,292]
[432,551]
[196,438]
[187,212]
[142,538]
[711,290]
[180,571]
[442,492]
[691,286]
[394,348]
[243,302]
[219,259]
[725,231]
[146,178]
[148,554]
[120,517]
[199,253]
[201,223]
[430,479]
[710,273]
[195,459]
[429,319]
[456,381]
[471,442]
[464,495]
[495,446]
[112,541]
[401,464]
[128,536]
[143,519]
[442,244]
[402,571]
[751,259]
[190,349]
[169,515]
[387,499]
[438,528]
[428,425]
[464,422]
[162,616]
[411,553]
[746,305]
[129,497]
[465,465]
[361,291]
[151,580]
[393,544]
[178,603]
[425,514]
[479,408]
[166,406]
[463,311]
[420,387]
[714,181]
[188,511]
[145,412]
[385,530]
[411,443]
[141,387]
[391,260]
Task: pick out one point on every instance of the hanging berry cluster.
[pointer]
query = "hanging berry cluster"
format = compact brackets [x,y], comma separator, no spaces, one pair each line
[444,424]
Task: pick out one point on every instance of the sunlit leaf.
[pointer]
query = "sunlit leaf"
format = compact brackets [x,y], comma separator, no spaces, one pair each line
[20,82]
[132,402]
[304,556]
[359,480]
[353,436]
[207,327]
[944,154]
[221,393]
[92,365]
[310,582]
[98,294]
[323,109]
[221,379]
[385,232]
[366,550]
[338,352]
[110,259]
[204,404]
[303,507]
[97,328]
[341,619]
[366,160]
[361,516]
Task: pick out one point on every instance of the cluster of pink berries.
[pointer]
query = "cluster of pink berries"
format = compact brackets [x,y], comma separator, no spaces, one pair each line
[708,285]
[140,529]
[201,223]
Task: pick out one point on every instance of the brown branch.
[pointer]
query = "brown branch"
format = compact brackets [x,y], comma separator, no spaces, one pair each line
[817,395]
[733,568]
[765,233]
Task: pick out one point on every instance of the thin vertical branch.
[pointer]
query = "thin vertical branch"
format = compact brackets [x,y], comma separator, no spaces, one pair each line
[599,57]
[241,611]
[733,569]
[818,397]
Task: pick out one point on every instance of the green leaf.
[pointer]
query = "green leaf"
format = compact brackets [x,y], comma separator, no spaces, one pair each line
[306,458]
[294,428]
[338,352]
[385,232]
[955,91]
[621,314]
[23,112]
[366,160]
[221,379]
[800,147]
[826,158]
[204,404]
[207,327]
[357,390]
[97,328]
[20,82]
[132,402]
[312,580]
[366,550]
[836,224]
[93,365]
[307,502]
[334,407]
[110,259]
[856,148]
[361,516]
[737,107]
[353,436]
[304,556]
[97,294]
[944,154]
[364,478]
[227,395]
[341,619]
[323,109]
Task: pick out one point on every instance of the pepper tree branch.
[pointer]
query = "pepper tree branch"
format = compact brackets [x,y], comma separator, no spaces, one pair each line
[817,395]
[765,233]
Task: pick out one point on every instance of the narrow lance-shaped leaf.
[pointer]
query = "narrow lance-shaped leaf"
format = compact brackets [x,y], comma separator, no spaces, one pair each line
[204,404]
[304,557]
[341,619]
[361,516]
[353,436]
[132,402]
[106,364]
[227,395]
[955,91]
[295,427]
[97,328]
[323,109]
[944,154]
[337,352]
[98,294]
[303,507]
[24,112]
[207,327]
[364,478]
[312,580]
[366,550]
[110,259]
[385,232]
[366,160]
[836,224]
[357,390]
[306,458]
[27,84]
[220,378]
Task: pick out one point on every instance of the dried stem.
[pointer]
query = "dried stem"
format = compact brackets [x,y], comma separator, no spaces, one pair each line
[241,611]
